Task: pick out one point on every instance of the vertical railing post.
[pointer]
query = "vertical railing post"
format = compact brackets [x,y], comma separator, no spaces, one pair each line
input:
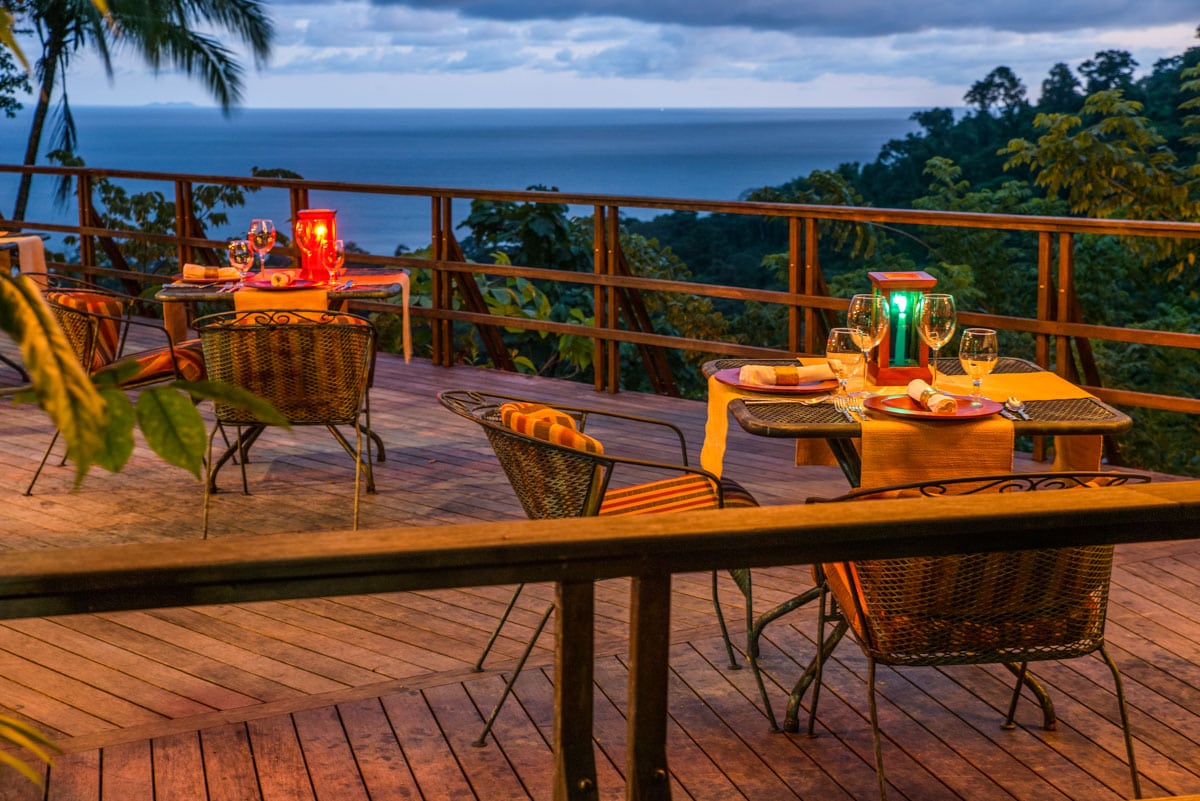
[442,329]
[613,348]
[1066,290]
[574,757]
[795,285]
[183,222]
[599,297]
[87,243]
[646,775]
[812,269]
[1045,296]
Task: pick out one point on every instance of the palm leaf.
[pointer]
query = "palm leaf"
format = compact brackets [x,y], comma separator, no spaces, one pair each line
[60,385]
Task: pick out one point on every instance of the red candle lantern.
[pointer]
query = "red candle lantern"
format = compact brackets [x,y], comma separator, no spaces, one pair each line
[902,355]
[316,229]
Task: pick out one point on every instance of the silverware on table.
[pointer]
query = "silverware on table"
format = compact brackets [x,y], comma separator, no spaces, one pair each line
[817,401]
[1016,406]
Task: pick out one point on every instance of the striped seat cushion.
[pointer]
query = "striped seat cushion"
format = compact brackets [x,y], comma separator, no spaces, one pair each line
[108,337]
[679,494]
[549,425]
[155,364]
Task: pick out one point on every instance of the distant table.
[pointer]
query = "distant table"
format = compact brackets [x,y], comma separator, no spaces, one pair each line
[363,285]
[1074,412]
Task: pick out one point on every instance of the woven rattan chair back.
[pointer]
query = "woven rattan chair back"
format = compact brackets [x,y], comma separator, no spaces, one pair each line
[1008,608]
[314,367]
[550,481]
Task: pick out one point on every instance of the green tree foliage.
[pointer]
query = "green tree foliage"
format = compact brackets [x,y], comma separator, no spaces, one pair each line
[189,35]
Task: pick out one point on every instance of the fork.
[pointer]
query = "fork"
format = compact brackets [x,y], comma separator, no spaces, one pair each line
[842,404]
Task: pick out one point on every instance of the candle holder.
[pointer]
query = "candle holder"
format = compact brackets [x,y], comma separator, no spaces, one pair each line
[902,355]
[316,230]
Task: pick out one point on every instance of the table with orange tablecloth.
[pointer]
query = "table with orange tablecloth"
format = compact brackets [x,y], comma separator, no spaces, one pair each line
[359,285]
[886,449]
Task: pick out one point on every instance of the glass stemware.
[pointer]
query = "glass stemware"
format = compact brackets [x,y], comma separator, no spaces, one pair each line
[335,259]
[936,320]
[262,239]
[978,352]
[241,257]
[867,316]
[843,353]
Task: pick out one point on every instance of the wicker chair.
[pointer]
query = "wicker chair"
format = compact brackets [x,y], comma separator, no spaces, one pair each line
[96,323]
[1007,608]
[312,366]
[574,480]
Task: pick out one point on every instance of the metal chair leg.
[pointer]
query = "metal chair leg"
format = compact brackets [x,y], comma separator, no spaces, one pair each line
[41,464]
[716,601]
[508,685]
[1124,709]
[1026,679]
[878,738]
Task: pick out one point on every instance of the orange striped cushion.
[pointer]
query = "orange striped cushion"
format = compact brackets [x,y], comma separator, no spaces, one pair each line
[544,424]
[109,330]
[155,365]
[679,494]
[536,411]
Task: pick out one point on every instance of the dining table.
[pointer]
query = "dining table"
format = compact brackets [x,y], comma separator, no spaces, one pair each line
[893,440]
[183,294]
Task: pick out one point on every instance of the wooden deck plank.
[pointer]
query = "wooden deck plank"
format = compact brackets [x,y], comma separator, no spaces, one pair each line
[429,755]
[178,767]
[229,767]
[327,754]
[74,777]
[378,752]
[279,760]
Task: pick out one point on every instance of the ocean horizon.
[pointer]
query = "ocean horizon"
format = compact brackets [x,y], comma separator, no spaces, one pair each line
[699,154]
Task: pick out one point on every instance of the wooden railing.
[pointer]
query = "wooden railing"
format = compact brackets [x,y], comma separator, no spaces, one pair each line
[574,554]
[1060,335]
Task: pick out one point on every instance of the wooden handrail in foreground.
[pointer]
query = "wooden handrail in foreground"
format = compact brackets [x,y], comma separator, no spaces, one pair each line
[574,554]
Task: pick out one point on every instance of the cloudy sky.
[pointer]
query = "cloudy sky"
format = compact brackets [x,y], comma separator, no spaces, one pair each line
[655,53]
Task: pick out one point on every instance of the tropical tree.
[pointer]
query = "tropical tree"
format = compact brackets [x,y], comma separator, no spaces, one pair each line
[162,32]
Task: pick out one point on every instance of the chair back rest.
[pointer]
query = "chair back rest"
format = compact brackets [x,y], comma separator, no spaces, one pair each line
[93,323]
[1047,603]
[550,480]
[312,366]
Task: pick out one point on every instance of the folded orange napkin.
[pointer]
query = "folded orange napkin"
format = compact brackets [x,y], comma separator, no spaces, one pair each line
[201,272]
[929,398]
[783,375]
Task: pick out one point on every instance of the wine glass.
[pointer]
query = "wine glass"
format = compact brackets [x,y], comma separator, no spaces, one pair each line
[936,320]
[335,258]
[241,257]
[978,353]
[867,316]
[843,353]
[262,239]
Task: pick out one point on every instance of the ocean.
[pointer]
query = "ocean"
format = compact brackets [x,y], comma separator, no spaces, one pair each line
[706,154]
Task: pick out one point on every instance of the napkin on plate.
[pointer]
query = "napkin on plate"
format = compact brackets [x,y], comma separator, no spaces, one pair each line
[927,398]
[783,375]
[200,272]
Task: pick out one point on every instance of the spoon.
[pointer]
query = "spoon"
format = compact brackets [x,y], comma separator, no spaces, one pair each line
[1016,406]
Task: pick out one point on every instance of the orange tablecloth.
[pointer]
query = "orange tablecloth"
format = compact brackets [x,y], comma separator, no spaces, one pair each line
[895,450]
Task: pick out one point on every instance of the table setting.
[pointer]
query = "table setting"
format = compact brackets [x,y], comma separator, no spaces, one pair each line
[886,424]
[320,281]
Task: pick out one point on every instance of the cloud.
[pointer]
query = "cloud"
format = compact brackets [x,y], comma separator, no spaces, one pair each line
[842,18]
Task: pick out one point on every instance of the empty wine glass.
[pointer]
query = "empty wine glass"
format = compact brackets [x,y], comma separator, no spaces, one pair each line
[842,352]
[936,320]
[867,316]
[262,239]
[978,353]
[241,257]
[335,259]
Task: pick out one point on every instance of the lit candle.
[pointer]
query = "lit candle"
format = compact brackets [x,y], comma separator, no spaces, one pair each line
[901,302]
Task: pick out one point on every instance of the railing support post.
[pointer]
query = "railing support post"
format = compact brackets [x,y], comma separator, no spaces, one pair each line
[646,775]
[87,242]
[574,757]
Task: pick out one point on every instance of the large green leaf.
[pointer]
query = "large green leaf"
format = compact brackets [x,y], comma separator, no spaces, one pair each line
[234,396]
[172,427]
[118,432]
[60,385]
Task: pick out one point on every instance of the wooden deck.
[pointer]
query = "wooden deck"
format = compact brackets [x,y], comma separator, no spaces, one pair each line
[373,697]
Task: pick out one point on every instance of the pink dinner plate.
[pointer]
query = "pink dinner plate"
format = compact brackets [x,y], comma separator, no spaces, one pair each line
[302,283]
[730,376]
[904,406]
